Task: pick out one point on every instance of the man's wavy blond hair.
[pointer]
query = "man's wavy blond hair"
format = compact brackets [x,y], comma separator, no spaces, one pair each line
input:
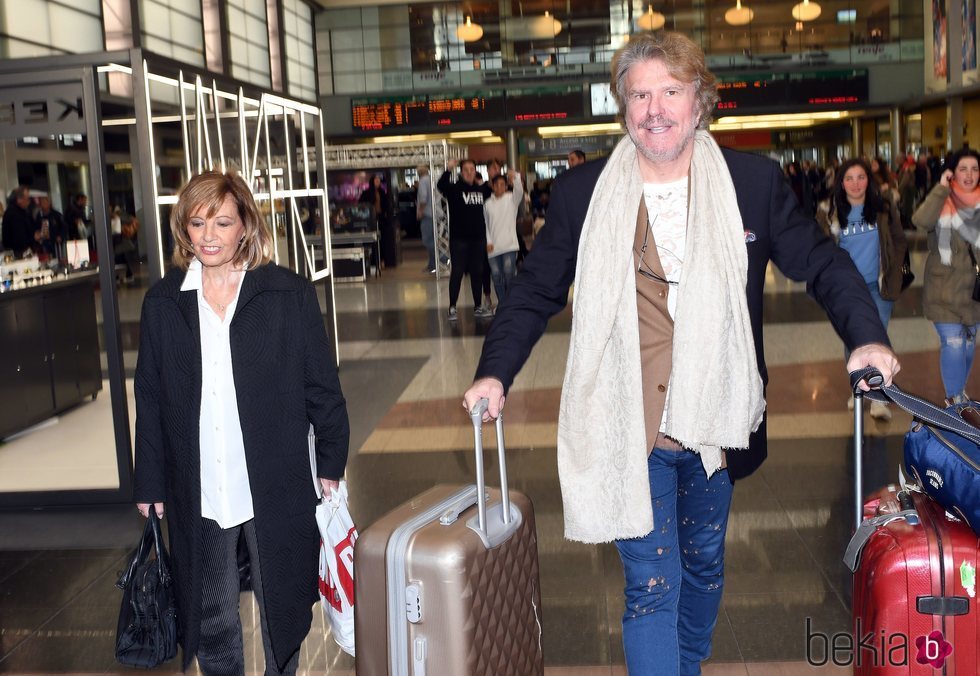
[206,193]
[682,58]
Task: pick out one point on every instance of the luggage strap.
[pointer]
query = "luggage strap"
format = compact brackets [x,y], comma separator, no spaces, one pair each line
[919,408]
[852,555]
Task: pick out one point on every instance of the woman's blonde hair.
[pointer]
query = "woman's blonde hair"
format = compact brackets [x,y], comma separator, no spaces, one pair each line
[207,192]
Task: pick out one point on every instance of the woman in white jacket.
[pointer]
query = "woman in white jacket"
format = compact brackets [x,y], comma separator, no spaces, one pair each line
[500,214]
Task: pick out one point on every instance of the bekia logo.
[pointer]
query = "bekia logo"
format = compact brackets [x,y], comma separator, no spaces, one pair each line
[875,648]
[933,649]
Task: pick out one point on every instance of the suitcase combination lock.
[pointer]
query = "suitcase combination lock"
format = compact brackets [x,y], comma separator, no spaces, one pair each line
[413,602]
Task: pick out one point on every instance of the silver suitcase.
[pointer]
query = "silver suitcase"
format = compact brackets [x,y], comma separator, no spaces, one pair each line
[447,583]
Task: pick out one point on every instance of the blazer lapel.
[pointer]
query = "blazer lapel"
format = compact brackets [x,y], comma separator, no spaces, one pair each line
[187,302]
[251,286]
[650,257]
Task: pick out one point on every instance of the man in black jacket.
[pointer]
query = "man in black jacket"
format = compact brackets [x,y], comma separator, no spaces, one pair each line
[663,401]
[76,218]
[18,226]
[467,232]
[51,227]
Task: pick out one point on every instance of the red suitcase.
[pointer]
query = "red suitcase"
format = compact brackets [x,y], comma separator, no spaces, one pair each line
[915,590]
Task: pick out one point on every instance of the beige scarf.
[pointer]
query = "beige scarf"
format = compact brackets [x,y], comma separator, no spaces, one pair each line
[715,398]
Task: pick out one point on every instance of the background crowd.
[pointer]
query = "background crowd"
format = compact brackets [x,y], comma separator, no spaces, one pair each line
[32,227]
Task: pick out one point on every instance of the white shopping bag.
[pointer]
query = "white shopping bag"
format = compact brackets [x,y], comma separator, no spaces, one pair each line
[337,537]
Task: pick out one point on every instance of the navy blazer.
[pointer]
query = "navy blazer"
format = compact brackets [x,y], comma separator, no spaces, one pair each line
[285,378]
[775,229]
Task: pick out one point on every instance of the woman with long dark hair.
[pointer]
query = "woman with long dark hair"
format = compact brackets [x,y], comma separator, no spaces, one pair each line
[377,197]
[868,227]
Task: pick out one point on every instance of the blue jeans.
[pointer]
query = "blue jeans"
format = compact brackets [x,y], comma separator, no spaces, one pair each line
[674,574]
[428,239]
[503,269]
[884,306]
[957,343]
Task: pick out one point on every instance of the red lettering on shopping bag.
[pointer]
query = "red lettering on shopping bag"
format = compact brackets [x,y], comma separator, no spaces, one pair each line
[328,590]
[344,552]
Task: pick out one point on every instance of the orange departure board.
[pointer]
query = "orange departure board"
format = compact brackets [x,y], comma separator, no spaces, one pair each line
[467,109]
[776,91]
[382,114]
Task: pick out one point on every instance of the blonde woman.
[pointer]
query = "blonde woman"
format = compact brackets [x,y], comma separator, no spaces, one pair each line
[234,364]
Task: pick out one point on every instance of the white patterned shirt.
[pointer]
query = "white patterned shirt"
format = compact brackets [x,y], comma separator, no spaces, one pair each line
[667,214]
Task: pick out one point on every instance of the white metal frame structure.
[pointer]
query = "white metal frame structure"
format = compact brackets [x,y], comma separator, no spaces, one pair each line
[263,136]
[433,154]
[265,140]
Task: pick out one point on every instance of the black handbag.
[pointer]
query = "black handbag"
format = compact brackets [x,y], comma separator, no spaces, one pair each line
[146,635]
[907,275]
[976,280]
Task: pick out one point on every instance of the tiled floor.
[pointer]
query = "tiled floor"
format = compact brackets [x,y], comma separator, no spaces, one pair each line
[403,369]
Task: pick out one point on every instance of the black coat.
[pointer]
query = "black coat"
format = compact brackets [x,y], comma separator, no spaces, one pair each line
[18,229]
[285,379]
[776,229]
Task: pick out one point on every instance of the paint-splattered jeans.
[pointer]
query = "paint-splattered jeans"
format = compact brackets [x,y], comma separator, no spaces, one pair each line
[957,343]
[674,574]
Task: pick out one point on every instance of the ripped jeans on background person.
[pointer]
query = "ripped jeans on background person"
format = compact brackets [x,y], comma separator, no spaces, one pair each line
[957,344]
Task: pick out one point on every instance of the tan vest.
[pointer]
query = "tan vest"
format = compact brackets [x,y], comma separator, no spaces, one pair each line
[656,327]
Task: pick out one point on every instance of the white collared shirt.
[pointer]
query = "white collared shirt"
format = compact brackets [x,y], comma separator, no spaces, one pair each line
[226,496]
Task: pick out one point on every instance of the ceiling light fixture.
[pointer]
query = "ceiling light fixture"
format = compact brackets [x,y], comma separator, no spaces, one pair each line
[545,26]
[738,15]
[781,121]
[650,20]
[469,31]
[806,11]
[581,129]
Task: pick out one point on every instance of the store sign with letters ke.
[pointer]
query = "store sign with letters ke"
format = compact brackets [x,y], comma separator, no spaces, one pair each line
[41,111]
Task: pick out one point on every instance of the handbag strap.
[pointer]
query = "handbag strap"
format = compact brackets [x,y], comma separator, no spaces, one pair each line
[152,537]
[163,559]
[919,408]
[969,248]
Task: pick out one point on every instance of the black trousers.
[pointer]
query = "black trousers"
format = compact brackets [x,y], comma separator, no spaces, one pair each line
[220,651]
[467,258]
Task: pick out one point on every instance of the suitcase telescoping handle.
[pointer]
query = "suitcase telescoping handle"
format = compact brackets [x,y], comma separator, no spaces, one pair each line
[918,408]
[863,529]
[476,415]
[874,379]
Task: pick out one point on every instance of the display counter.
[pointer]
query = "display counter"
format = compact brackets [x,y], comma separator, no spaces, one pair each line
[49,350]
[351,252]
